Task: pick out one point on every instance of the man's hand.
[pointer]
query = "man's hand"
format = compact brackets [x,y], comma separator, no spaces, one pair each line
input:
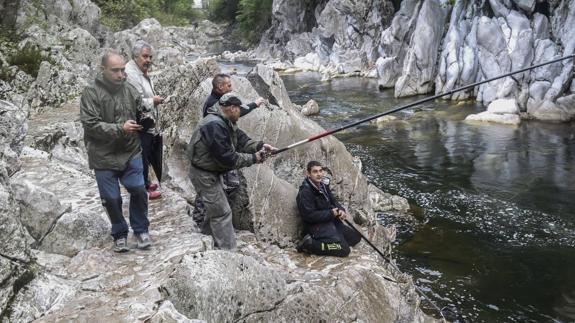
[131,126]
[268,147]
[158,100]
[339,214]
[259,157]
[259,101]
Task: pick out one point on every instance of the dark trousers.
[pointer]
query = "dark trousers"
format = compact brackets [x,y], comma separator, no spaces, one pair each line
[147,151]
[337,245]
[218,214]
[109,187]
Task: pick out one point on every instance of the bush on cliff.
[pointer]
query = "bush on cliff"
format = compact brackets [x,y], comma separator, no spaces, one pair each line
[253,19]
[122,14]
[250,18]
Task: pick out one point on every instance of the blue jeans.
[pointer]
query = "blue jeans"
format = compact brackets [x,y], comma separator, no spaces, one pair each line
[109,187]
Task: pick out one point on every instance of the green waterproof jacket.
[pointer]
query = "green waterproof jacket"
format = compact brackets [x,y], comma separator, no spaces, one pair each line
[218,145]
[104,108]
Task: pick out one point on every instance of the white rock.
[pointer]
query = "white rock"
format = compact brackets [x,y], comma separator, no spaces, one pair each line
[503,106]
[310,108]
[509,119]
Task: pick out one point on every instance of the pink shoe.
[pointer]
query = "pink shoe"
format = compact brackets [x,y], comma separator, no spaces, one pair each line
[154,195]
[152,187]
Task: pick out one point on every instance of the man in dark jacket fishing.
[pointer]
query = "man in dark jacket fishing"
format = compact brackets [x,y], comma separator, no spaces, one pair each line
[109,109]
[322,216]
[216,147]
[221,84]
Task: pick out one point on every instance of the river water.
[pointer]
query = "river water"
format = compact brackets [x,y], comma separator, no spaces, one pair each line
[492,234]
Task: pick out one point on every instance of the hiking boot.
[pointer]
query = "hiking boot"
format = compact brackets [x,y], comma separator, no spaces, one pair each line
[143,239]
[152,187]
[121,245]
[304,244]
[154,195]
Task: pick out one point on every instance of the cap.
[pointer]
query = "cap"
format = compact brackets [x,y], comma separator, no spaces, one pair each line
[231,98]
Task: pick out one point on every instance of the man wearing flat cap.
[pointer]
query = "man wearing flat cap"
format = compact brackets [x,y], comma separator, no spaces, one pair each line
[218,146]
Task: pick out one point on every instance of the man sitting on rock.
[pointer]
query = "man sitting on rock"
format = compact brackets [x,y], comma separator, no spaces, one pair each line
[216,147]
[137,72]
[322,215]
[108,111]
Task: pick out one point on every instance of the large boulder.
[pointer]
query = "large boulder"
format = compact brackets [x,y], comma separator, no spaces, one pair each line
[44,294]
[83,224]
[200,287]
[39,208]
[315,290]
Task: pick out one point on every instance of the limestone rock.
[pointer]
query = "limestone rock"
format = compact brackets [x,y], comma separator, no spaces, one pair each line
[503,106]
[167,313]
[509,119]
[310,108]
[395,43]
[171,42]
[43,295]
[269,85]
[39,208]
[526,5]
[77,231]
[332,37]
[200,287]
[420,62]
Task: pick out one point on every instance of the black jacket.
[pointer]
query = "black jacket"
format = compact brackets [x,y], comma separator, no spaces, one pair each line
[218,145]
[315,208]
[214,97]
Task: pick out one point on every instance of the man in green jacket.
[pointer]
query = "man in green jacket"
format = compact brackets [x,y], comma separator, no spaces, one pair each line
[216,147]
[109,109]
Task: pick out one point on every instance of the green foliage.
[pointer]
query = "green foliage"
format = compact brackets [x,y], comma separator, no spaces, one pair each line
[28,59]
[254,17]
[223,10]
[124,14]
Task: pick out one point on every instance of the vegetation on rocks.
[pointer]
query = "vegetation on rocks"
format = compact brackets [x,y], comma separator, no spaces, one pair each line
[250,18]
[120,14]
[27,59]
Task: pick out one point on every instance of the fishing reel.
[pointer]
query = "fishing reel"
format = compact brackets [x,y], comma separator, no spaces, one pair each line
[264,154]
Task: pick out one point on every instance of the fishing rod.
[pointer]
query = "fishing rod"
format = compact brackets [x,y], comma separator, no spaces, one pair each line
[421,292]
[353,124]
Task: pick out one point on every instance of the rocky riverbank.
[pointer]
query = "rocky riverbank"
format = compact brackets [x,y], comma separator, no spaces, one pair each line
[55,258]
[426,46]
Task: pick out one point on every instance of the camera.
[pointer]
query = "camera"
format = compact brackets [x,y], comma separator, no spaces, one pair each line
[146,120]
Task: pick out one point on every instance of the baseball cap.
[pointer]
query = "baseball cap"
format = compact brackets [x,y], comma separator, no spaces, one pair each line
[231,98]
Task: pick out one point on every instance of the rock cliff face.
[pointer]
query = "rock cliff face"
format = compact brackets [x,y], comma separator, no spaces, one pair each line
[55,257]
[433,46]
